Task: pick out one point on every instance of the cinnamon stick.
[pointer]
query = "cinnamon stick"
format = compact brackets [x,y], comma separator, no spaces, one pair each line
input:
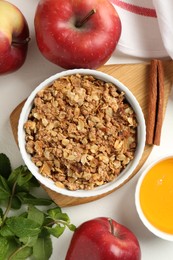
[155,103]
[152,99]
[160,103]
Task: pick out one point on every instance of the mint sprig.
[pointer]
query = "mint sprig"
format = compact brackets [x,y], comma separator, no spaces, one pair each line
[26,233]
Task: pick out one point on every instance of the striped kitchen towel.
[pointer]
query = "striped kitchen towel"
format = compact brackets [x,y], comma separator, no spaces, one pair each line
[147,27]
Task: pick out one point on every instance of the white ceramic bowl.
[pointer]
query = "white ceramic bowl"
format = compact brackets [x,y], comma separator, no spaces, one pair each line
[159,181]
[125,174]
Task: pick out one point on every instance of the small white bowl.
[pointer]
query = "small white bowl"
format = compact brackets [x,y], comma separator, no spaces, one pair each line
[152,228]
[126,174]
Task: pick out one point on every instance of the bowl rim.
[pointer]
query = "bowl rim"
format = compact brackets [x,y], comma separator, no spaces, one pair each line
[141,132]
[151,228]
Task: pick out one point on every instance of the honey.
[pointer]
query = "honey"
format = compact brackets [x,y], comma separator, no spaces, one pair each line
[156,195]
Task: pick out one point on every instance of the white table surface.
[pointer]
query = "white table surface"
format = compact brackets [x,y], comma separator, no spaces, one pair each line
[120,204]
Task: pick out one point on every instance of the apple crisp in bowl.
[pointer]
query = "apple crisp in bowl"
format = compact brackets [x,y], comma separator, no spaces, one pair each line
[81,133]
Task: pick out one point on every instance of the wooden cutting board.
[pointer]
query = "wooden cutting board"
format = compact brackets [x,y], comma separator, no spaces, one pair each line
[135,77]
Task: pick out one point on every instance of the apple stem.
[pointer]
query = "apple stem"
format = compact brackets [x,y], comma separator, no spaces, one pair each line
[112,226]
[25,41]
[85,19]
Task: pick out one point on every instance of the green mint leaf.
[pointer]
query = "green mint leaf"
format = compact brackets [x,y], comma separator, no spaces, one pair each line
[6,232]
[52,212]
[3,247]
[14,175]
[29,241]
[4,189]
[24,177]
[42,250]
[21,254]
[23,227]
[56,214]
[56,231]
[27,198]
[5,166]
[72,227]
[12,247]
[16,203]
[32,183]
[36,215]
[21,175]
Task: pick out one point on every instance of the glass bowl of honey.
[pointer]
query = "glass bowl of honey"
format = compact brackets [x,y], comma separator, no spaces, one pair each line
[154,197]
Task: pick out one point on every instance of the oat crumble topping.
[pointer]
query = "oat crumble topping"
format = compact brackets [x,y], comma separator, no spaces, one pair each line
[81,132]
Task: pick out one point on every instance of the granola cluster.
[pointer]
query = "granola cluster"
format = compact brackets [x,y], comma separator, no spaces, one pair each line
[81,132]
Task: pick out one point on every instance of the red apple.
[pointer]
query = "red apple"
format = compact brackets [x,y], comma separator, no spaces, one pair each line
[77,34]
[103,239]
[14,37]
